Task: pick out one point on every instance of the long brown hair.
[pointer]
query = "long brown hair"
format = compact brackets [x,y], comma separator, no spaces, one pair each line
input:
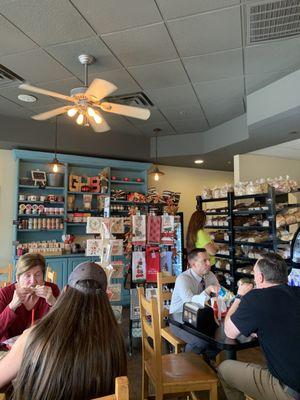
[197,221]
[75,352]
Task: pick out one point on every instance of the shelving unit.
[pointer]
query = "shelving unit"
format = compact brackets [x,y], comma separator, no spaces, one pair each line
[80,166]
[268,203]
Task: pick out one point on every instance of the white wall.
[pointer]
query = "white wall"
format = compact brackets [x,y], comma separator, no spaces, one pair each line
[7,201]
[250,167]
[190,182]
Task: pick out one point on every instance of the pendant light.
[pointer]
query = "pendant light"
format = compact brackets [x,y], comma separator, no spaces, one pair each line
[155,170]
[55,164]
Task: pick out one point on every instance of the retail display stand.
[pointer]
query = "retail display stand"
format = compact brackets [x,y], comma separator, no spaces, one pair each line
[84,186]
[239,248]
[159,254]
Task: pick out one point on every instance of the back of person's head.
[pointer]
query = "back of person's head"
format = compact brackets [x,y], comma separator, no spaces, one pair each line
[194,253]
[197,221]
[77,350]
[274,269]
[28,261]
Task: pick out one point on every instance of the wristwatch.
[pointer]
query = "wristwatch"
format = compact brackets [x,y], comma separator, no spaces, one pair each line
[238,296]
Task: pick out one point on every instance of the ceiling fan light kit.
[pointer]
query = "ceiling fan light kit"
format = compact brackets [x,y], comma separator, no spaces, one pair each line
[87,100]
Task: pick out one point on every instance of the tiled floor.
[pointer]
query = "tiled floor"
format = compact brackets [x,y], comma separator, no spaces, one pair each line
[135,370]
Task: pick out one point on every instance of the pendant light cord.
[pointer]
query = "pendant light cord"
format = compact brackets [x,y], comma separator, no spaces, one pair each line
[55,144]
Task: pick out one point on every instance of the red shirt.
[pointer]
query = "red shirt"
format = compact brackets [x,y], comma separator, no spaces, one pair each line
[13,323]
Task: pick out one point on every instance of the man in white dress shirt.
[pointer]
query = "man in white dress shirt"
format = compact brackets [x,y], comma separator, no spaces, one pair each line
[196,284]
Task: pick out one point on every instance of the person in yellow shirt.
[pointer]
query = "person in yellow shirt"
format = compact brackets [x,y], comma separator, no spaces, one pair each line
[198,238]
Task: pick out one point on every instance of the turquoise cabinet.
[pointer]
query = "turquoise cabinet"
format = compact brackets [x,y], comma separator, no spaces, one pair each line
[60,266]
[73,262]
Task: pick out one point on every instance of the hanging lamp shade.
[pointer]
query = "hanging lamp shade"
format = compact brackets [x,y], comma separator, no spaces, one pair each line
[155,170]
[55,164]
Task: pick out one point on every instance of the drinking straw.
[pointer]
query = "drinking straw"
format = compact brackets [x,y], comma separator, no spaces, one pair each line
[32,317]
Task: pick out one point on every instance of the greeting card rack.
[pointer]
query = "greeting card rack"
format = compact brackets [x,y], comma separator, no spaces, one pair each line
[249,227]
[148,279]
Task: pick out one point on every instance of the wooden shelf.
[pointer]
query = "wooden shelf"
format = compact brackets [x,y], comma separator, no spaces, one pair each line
[118,181]
[40,230]
[41,216]
[41,187]
[93,193]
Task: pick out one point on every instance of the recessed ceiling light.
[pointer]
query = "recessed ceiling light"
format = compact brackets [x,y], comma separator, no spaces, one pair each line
[199,161]
[28,98]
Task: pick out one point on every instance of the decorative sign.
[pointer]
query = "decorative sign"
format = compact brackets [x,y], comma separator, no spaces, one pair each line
[39,177]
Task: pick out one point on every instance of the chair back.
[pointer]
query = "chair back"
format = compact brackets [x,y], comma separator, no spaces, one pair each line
[163,295]
[121,390]
[8,272]
[51,276]
[151,339]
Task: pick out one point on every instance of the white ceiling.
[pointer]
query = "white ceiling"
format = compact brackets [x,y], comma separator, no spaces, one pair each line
[284,150]
[188,57]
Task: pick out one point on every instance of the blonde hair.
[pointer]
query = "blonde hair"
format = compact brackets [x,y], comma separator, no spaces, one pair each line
[28,261]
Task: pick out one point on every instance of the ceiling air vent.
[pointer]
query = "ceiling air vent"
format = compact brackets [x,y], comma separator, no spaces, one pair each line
[8,77]
[132,99]
[268,20]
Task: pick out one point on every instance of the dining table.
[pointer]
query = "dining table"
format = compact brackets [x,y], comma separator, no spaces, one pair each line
[218,340]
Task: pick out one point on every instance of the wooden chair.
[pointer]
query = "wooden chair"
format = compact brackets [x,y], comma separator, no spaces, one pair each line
[51,276]
[121,390]
[248,397]
[169,373]
[162,296]
[8,272]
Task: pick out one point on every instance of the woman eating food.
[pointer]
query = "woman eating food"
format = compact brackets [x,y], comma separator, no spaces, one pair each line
[28,299]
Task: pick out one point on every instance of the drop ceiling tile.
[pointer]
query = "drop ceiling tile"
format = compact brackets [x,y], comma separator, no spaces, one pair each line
[173,96]
[11,93]
[273,56]
[215,66]
[182,112]
[116,15]
[221,90]
[121,124]
[207,33]
[166,129]
[190,125]
[222,112]
[156,117]
[119,77]
[179,8]
[159,75]
[12,40]
[221,100]
[35,66]
[47,22]
[257,81]
[138,46]
[63,86]
[67,54]
[11,109]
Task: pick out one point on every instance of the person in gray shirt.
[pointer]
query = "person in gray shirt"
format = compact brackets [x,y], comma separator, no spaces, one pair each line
[196,284]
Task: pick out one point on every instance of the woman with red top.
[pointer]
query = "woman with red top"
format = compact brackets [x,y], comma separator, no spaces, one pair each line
[28,299]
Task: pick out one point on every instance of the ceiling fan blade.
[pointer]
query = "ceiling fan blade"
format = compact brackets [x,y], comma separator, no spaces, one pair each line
[50,114]
[127,111]
[100,88]
[35,89]
[102,127]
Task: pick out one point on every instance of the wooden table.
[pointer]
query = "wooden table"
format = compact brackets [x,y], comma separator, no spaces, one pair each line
[219,340]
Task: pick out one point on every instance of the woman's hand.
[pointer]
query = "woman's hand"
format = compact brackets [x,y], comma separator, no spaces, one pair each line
[46,293]
[21,294]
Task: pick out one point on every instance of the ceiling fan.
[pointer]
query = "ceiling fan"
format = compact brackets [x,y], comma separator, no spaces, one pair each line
[86,102]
